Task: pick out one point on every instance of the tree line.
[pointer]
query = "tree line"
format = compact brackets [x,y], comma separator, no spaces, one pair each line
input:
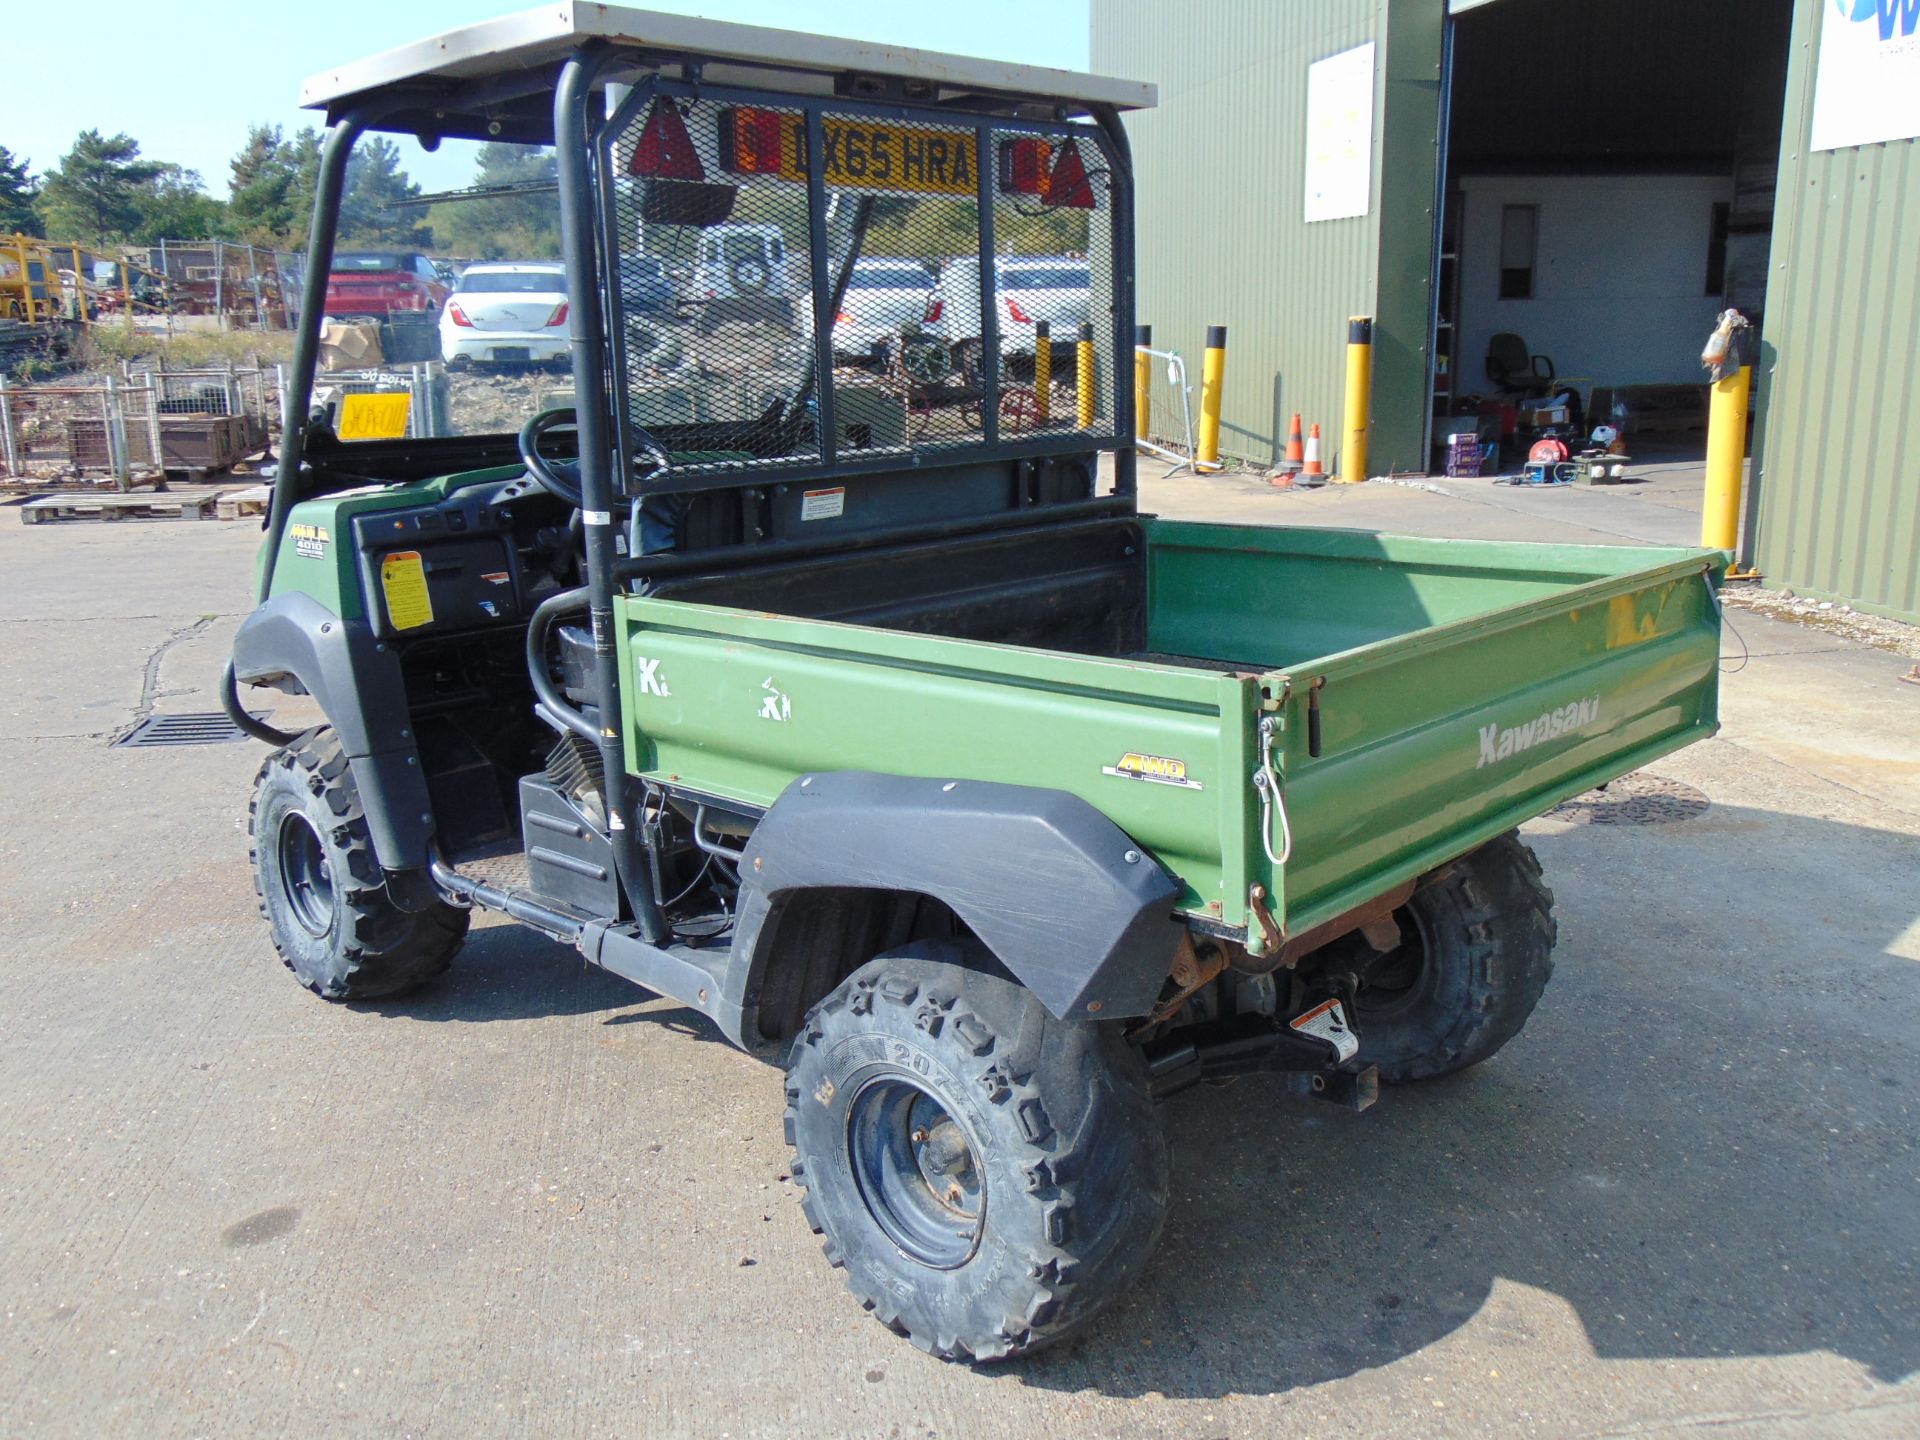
[104,191]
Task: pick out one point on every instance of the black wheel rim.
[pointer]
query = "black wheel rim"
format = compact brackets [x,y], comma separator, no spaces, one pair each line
[918,1171]
[305,877]
[1395,982]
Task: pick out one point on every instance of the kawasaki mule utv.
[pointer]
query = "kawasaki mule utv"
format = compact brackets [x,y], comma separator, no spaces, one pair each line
[862,711]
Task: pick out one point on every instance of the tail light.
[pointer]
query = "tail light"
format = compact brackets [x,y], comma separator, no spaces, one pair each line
[458,316]
[559,315]
[1015,313]
[935,308]
[843,318]
[1024,166]
[750,141]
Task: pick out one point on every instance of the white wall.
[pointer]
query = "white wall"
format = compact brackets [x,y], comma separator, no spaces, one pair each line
[1619,276]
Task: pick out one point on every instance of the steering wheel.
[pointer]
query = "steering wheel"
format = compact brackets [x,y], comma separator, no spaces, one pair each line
[561,479]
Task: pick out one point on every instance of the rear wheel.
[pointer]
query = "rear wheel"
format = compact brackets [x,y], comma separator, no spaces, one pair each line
[989,1177]
[1475,955]
[321,890]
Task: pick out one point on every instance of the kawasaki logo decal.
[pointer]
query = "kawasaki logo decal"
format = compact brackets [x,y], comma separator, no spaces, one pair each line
[1497,744]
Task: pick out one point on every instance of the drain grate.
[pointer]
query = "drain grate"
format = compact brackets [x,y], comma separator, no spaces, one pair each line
[214,729]
[1637,799]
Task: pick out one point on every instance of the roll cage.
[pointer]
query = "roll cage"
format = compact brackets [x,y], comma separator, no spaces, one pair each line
[550,77]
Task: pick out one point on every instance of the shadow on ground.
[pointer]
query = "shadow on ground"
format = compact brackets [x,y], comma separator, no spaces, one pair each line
[1703,1144]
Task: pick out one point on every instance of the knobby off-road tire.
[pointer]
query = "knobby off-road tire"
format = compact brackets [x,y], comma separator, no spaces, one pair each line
[1475,956]
[989,1177]
[321,889]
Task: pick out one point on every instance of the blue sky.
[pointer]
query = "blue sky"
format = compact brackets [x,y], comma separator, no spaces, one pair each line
[187,89]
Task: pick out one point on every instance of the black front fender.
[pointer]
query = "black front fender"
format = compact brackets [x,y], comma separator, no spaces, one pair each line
[1062,897]
[355,679]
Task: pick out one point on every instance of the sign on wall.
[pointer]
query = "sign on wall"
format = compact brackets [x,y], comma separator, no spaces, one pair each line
[1340,134]
[1866,86]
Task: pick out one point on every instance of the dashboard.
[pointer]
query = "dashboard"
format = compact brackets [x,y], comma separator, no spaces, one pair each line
[481,558]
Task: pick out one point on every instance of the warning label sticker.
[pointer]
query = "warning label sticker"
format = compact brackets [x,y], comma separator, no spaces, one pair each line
[403,580]
[823,504]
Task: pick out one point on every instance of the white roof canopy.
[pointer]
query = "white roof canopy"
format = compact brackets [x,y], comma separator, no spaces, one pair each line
[745,55]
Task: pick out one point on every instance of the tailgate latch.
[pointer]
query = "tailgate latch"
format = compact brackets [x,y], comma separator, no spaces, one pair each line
[1273,804]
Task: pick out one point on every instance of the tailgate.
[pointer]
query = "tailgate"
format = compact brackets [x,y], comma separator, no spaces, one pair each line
[1524,675]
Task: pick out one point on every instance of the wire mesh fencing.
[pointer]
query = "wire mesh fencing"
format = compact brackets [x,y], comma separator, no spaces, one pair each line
[959,308]
[1165,426]
[73,432]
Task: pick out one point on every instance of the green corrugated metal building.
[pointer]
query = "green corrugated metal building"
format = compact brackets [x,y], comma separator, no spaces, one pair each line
[1588,180]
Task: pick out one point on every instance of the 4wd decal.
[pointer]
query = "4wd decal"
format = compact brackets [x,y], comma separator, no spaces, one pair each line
[1159,769]
[310,540]
[1498,744]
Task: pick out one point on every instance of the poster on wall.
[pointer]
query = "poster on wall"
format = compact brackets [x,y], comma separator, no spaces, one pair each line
[1866,86]
[1340,134]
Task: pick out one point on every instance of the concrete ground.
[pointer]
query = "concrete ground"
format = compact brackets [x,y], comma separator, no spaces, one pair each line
[533,1201]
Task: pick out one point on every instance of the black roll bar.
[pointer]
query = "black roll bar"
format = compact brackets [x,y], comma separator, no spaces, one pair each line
[573,139]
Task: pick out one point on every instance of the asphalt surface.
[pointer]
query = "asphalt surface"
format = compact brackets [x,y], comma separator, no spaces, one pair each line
[534,1201]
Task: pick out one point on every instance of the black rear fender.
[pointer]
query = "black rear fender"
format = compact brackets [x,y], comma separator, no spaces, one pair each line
[1073,909]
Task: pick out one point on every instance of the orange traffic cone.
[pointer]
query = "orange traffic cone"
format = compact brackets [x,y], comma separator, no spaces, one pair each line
[1296,456]
[1314,469]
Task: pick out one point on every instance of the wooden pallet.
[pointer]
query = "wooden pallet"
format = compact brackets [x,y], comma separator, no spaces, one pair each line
[238,504]
[161,505]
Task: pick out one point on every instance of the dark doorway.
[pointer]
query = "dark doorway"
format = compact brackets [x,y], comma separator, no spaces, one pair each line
[1609,183]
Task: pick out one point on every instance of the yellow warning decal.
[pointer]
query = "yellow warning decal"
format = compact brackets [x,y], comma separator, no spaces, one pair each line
[375,417]
[403,579]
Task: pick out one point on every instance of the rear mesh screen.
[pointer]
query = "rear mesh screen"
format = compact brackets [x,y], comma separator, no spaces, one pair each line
[739,352]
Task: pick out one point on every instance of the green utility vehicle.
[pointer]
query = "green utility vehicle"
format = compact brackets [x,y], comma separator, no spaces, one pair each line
[862,710]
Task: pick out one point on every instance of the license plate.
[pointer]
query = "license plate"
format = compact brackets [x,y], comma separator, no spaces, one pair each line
[511,355]
[863,156]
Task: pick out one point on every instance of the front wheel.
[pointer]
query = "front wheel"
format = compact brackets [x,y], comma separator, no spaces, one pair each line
[321,891]
[1475,955]
[989,1177]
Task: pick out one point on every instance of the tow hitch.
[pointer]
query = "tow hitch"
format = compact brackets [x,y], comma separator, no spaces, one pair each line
[1314,1050]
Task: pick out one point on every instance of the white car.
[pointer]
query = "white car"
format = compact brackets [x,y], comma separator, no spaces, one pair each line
[885,298]
[746,273]
[1027,289]
[507,314]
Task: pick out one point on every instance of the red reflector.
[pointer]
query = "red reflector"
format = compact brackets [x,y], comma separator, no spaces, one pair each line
[458,316]
[665,151]
[1069,186]
[559,316]
[750,141]
[1023,166]
[1015,313]
[935,307]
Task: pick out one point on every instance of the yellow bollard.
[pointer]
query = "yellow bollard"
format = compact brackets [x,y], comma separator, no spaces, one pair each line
[1142,380]
[1359,416]
[1042,372]
[1083,375]
[1726,454]
[1213,374]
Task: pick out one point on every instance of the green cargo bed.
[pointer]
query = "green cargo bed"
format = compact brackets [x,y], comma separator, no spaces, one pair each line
[1426,694]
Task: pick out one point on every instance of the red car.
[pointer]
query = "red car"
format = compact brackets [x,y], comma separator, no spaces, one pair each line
[384,285]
